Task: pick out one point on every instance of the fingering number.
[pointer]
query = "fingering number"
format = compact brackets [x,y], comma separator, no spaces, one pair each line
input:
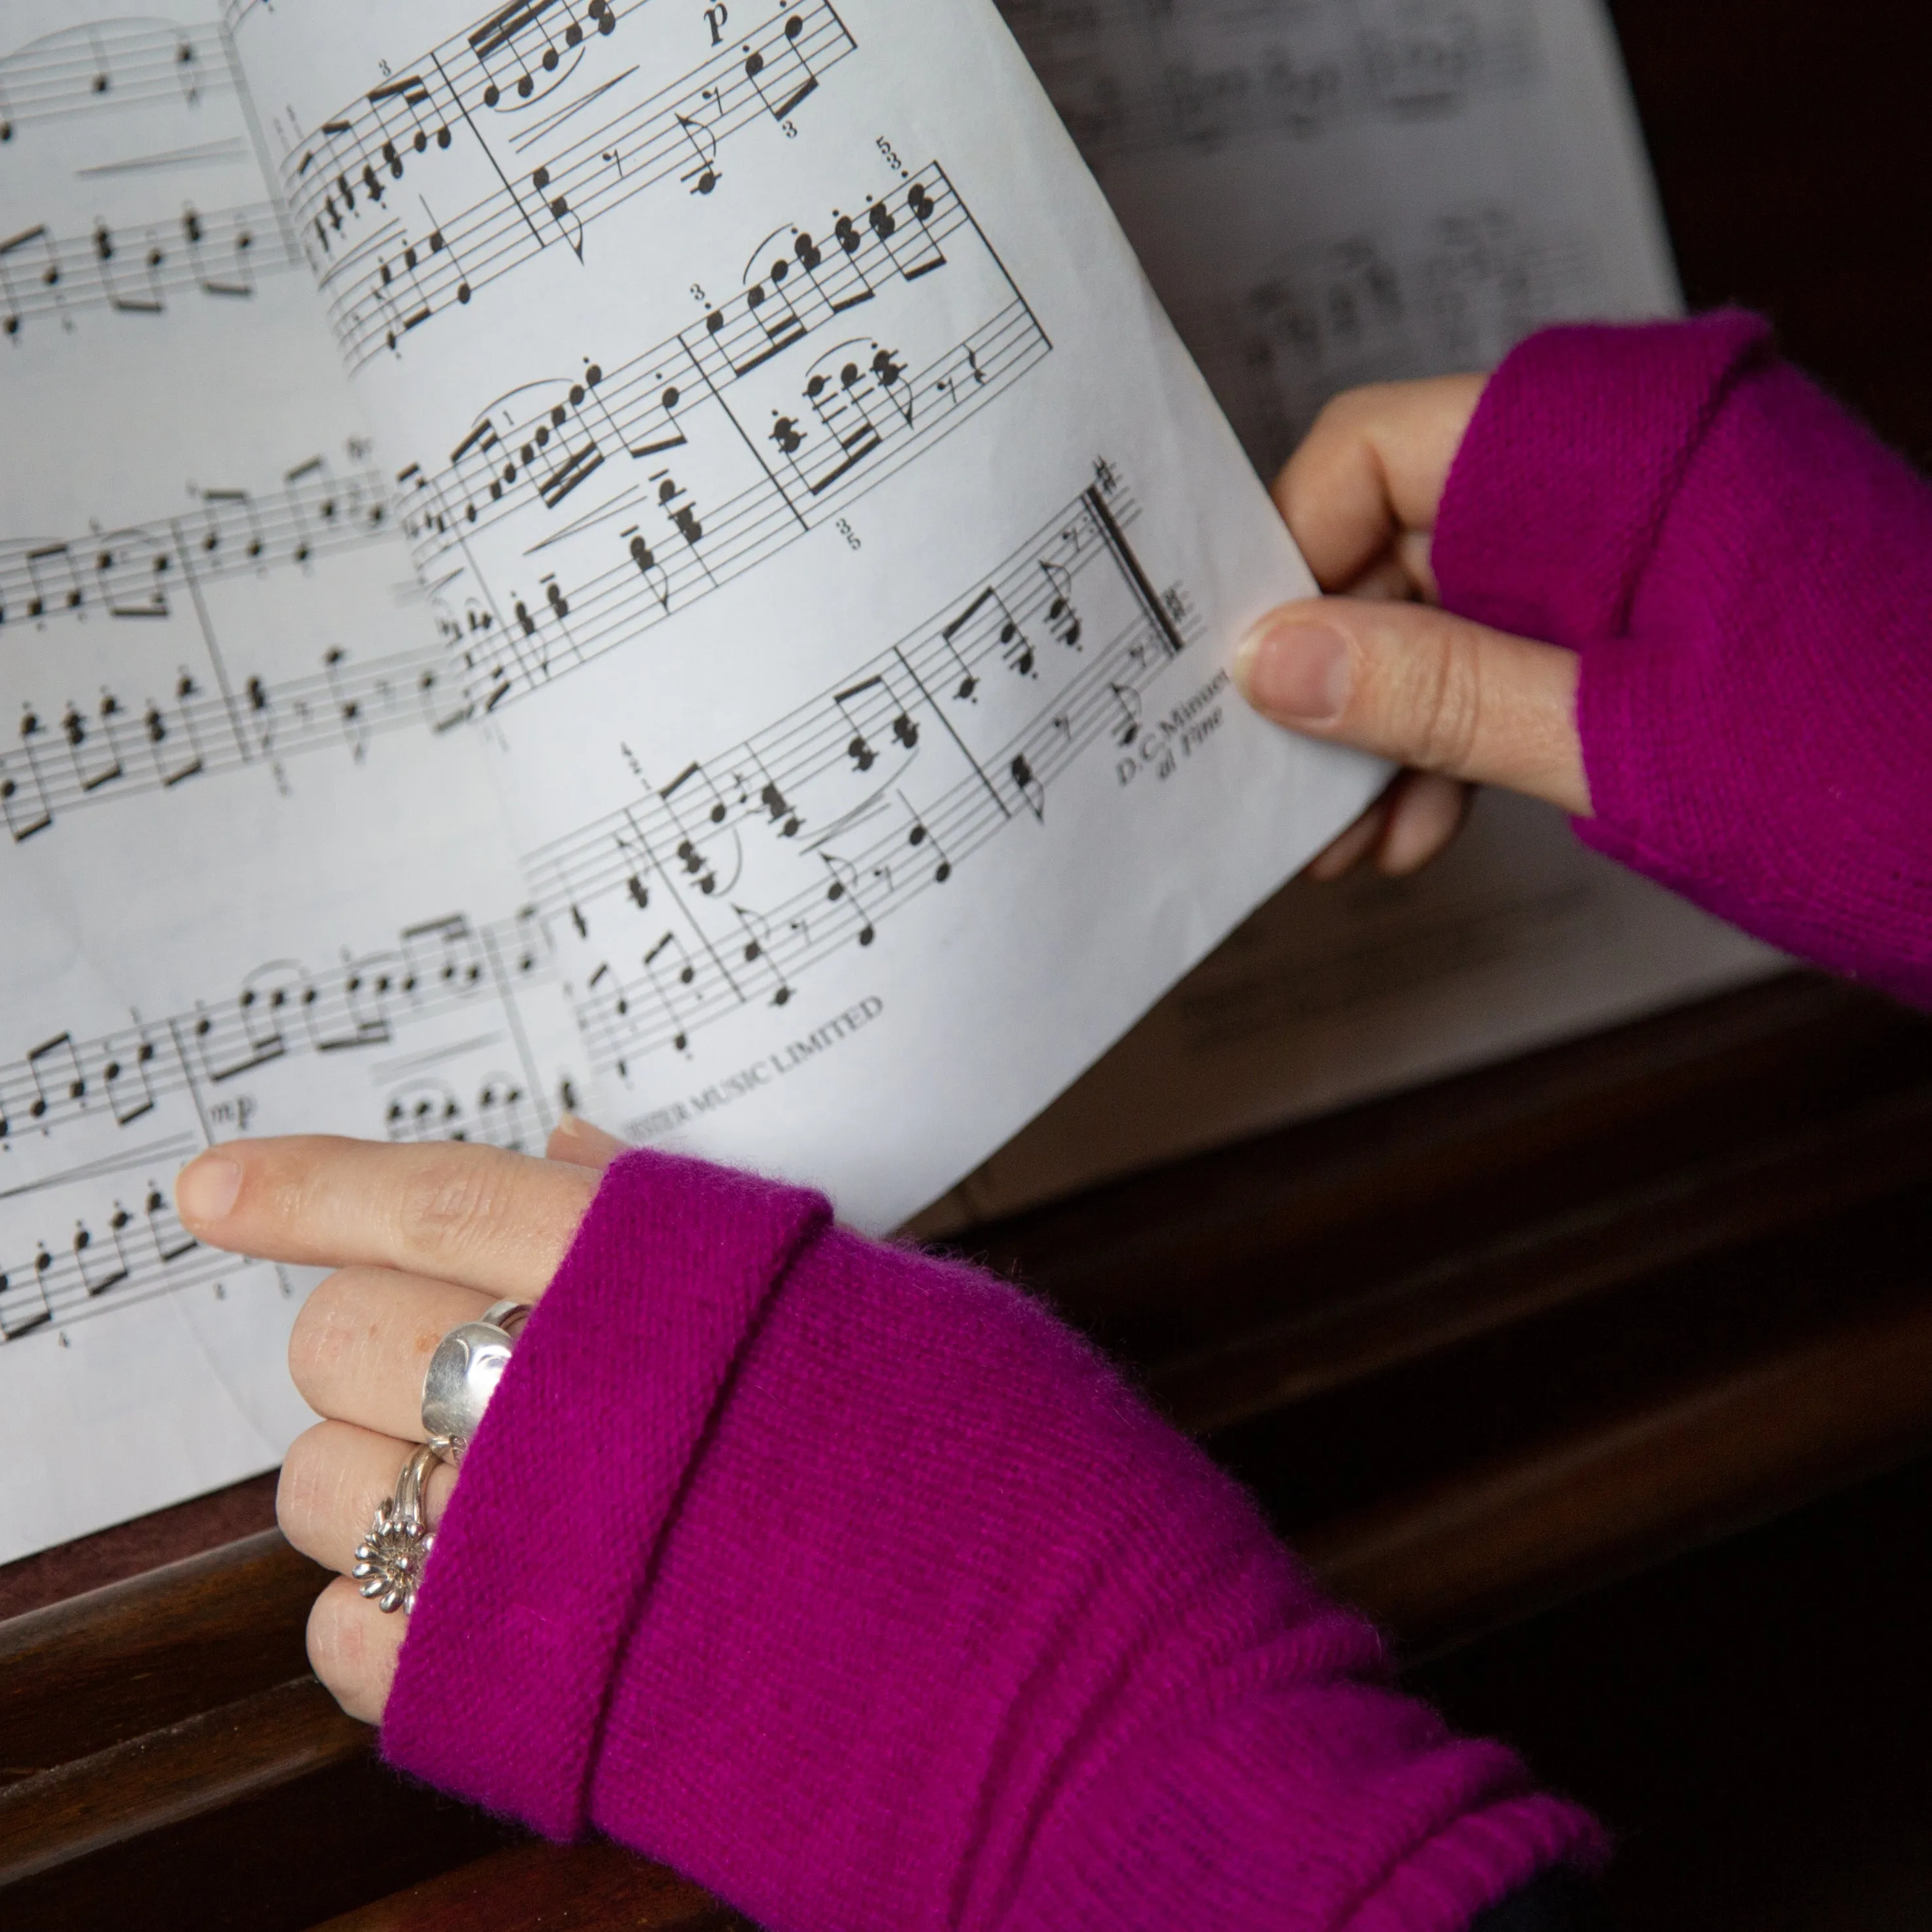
[851,536]
[885,147]
[698,295]
[790,132]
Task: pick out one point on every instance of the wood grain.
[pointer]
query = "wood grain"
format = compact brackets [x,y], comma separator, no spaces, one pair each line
[262,1816]
[135,1657]
[179,1771]
[539,1888]
[1493,1543]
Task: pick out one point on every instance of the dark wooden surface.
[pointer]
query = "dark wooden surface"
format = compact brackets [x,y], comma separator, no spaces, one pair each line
[1480,1348]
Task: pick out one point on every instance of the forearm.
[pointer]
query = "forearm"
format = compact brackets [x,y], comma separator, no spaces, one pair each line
[891,1606]
[1747,574]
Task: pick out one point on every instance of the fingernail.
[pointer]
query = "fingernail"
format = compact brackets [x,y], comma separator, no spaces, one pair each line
[205,1189]
[1295,667]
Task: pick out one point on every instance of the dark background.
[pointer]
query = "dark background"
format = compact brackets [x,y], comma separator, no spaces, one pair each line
[1756,1721]
[1789,138]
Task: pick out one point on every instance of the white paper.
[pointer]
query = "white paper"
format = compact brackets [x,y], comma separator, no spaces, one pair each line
[1325,193]
[807,683]
[248,887]
[848,594]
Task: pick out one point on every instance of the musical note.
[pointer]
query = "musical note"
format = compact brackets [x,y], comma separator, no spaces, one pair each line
[695,855]
[424,1110]
[807,837]
[28,259]
[102,1265]
[147,299]
[550,181]
[53,1071]
[232,533]
[757,952]
[172,1240]
[874,695]
[93,751]
[504,1117]
[129,1081]
[1027,781]
[109,66]
[667,965]
[917,834]
[522,59]
[561,449]
[131,569]
[780,71]
[1063,617]
[701,176]
[23,797]
[26,1306]
[842,890]
[219,254]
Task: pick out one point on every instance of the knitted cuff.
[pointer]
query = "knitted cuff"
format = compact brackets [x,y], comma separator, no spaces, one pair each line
[1747,574]
[1567,471]
[547,1545]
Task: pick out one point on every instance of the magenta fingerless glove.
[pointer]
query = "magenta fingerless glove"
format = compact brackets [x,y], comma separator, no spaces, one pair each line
[854,1585]
[1747,573]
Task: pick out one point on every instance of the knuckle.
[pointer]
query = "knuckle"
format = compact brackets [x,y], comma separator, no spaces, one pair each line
[1448,701]
[1343,419]
[447,1202]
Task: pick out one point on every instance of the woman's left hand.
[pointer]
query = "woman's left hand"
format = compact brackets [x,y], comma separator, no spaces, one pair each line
[422,1238]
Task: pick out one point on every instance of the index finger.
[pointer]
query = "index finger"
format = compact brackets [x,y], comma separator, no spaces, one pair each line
[495,1221]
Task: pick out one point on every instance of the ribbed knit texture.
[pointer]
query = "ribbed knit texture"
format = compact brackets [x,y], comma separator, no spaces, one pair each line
[1748,575]
[854,1585]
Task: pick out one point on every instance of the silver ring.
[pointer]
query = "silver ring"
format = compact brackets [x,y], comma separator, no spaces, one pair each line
[462,1375]
[389,1560]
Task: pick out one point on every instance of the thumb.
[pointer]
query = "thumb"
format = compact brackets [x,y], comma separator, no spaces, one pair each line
[1424,688]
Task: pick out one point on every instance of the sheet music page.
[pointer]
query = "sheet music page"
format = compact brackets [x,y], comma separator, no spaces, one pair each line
[1326,193]
[839,547]
[254,878]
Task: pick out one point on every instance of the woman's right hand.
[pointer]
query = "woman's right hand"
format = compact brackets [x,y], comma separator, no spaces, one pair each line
[1374,665]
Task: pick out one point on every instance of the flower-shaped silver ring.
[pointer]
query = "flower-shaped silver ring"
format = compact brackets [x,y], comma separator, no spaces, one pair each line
[389,1560]
[462,1375]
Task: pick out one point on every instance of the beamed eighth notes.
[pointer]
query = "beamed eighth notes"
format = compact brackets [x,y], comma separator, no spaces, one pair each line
[514,138]
[722,886]
[125,1108]
[578,513]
